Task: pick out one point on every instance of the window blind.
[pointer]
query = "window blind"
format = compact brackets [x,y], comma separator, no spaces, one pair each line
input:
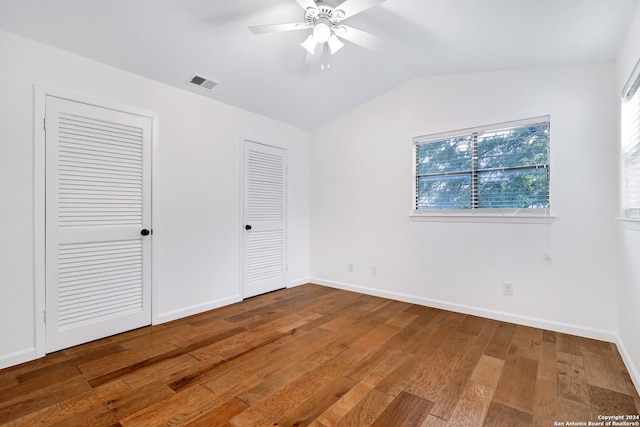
[631,155]
[500,167]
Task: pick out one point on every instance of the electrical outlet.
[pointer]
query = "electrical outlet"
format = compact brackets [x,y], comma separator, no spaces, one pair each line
[374,270]
[350,267]
[507,289]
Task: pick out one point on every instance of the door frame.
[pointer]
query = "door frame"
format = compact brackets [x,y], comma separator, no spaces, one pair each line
[40,94]
[243,141]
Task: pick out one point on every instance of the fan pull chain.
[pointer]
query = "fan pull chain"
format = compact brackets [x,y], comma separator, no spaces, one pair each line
[325,58]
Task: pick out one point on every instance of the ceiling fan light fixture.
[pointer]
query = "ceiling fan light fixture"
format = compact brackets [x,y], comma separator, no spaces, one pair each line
[310,44]
[334,44]
[323,18]
[322,32]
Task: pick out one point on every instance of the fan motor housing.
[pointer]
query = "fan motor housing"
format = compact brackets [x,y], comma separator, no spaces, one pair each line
[323,11]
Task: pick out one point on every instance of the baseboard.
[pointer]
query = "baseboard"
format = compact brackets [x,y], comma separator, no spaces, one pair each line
[476,311]
[195,309]
[628,361]
[299,282]
[17,358]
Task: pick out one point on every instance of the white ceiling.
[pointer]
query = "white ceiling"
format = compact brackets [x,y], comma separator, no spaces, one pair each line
[171,40]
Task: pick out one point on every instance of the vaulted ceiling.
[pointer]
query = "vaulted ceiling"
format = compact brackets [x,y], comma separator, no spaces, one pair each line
[171,40]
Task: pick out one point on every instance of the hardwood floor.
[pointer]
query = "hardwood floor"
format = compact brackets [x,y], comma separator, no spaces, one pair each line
[323,357]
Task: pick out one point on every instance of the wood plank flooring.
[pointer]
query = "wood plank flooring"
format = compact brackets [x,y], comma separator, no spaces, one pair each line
[323,357]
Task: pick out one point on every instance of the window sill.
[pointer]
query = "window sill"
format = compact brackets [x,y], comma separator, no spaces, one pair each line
[490,218]
[629,223]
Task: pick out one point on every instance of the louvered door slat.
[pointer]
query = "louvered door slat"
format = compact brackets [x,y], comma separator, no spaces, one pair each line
[97,135]
[96,162]
[72,301]
[94,283]
[73,271]
[98,178]
[74,152]
[79,170]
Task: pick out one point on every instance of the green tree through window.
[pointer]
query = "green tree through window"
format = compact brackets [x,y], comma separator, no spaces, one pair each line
[506,167]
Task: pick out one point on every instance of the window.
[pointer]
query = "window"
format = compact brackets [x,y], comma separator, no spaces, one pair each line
[631,148]
[492,169]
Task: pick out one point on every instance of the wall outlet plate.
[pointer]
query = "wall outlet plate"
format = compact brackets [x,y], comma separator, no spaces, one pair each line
[507,289]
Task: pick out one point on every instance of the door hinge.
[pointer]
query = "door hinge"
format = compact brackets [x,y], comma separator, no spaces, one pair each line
[45,316]
[44,123]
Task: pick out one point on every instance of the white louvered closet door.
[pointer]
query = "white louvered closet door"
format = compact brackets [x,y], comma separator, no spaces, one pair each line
[98,200]
[265,170]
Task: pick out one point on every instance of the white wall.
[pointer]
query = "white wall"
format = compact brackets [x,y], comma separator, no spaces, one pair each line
[629,293]
[197,224]
[361,189]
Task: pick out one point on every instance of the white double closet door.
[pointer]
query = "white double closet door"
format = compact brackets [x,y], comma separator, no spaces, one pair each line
[98,222]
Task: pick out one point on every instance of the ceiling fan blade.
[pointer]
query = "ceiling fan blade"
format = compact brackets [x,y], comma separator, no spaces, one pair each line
[359,37]
[353,7]
[306,4]
[278,28]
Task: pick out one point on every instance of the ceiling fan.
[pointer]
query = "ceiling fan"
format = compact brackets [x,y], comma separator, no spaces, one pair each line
[328,30]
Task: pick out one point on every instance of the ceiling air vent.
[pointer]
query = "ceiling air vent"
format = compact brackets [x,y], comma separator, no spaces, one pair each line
[203,82]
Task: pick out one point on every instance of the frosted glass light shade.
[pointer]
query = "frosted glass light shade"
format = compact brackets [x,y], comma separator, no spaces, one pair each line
[322,32]
[310,44]
[334,44]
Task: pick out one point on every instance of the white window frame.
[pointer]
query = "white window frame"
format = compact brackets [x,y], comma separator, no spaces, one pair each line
[630,109]
[507,215]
